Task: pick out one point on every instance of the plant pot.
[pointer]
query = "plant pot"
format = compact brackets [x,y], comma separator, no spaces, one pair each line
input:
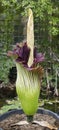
[5,118]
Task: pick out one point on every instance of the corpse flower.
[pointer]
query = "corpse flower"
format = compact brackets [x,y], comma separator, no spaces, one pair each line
[29,71]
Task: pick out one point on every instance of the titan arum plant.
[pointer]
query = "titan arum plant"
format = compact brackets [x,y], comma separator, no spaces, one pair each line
[29,71]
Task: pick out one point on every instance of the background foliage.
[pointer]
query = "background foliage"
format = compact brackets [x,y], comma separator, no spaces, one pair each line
[13,19]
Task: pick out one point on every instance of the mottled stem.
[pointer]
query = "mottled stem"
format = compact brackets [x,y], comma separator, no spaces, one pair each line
[30,118]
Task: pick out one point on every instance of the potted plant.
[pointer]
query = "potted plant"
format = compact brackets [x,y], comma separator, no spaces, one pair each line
[29,74]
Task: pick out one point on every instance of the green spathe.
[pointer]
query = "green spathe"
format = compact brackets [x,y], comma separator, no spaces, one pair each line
[28,89]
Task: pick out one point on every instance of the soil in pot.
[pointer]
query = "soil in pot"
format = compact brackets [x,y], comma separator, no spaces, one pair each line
[7,124]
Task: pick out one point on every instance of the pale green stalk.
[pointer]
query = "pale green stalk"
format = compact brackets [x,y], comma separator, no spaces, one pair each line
[28,89]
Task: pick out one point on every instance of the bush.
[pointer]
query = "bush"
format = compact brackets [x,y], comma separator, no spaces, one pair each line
[5,64]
